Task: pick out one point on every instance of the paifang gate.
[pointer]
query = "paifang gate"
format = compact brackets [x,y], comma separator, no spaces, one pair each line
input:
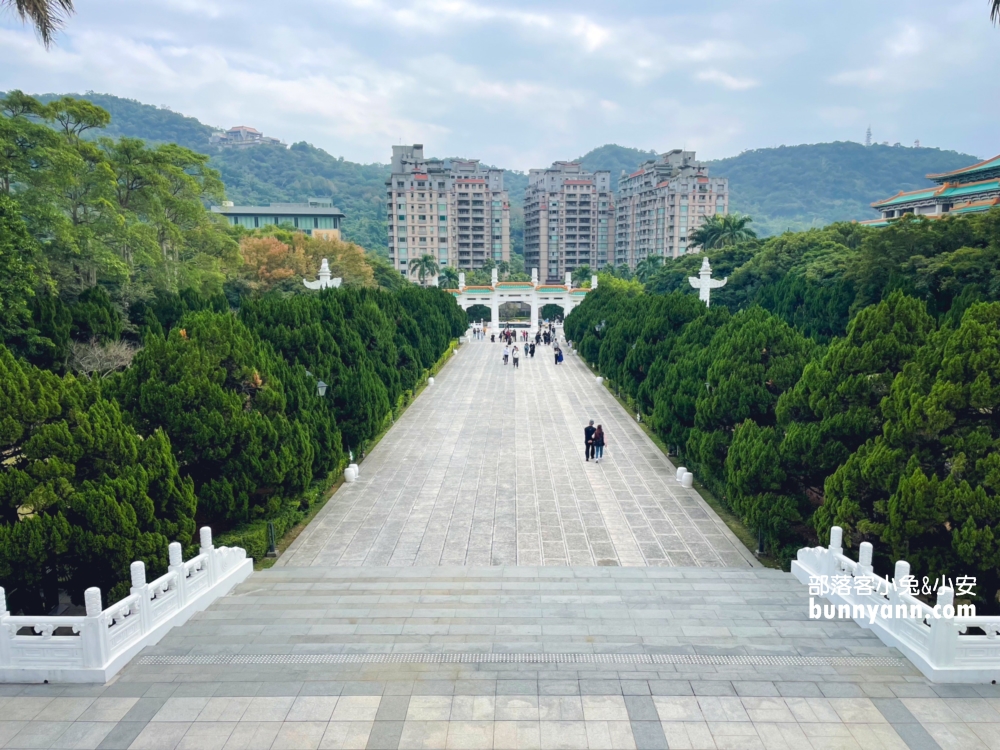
[531,293]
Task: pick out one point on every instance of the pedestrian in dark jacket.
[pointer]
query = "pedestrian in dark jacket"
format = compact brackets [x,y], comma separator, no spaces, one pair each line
[588,440]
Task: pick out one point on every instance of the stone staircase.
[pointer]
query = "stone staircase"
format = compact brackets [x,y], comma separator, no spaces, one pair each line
[701,622]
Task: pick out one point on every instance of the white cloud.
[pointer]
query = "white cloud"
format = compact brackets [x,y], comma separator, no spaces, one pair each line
[521,82]
[727,81]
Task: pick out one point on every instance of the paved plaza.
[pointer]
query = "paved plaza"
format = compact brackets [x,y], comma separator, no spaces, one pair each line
[486,468]
[482,587]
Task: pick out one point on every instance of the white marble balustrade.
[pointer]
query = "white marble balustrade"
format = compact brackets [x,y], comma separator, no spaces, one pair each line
[93,647]
[947,649]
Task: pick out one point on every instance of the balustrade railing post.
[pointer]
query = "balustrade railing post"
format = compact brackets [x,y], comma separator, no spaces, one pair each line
[5,633]
[836,548]
[944,633]
[177,566]
[208,549]
[95,630]
[140,587]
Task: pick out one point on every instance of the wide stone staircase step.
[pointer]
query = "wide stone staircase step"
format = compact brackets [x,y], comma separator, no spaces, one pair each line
[702,619]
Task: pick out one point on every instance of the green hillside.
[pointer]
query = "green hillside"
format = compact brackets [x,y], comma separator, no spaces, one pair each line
[799,187]
[790,187]
[615,159]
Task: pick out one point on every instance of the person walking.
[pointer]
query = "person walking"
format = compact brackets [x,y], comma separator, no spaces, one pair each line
[588,440]
[598,444]
[506,354]
[514,354]
[531,350]
[493,338]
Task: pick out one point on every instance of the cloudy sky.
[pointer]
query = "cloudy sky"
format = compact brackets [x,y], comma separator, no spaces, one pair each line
[519,83]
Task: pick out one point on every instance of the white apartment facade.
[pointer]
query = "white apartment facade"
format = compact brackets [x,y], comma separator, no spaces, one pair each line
[454,209]
[661,203]
[568,220]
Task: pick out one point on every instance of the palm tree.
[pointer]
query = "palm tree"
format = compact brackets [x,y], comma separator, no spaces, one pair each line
[722,231]
[424,266]
[995,11]
[648,266]
[503,269]
[581,274]
[448,278]
[45,15]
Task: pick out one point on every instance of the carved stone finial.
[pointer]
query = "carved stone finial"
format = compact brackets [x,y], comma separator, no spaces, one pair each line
[138,571]
[92,601]
[206,537]
[175,552]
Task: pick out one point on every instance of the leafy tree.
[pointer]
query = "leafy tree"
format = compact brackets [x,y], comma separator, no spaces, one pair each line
[721,231]
[82,494]
[17,252]
[218,393]
[927,486]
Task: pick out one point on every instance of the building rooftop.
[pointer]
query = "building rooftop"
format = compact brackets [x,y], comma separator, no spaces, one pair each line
[987,168]
[313,208]
[948,190]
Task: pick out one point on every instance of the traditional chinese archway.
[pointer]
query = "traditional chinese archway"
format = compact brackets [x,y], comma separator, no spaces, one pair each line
[531,293]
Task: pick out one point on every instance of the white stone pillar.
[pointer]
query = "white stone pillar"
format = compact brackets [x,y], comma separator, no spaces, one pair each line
[593,282]
[534,276]
[461,281]
[569,280]
[533,323]
[494,278]
[494,312]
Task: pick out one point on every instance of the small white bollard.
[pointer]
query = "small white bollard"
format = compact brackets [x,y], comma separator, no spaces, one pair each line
[681,471]
[350,474]
[357,470]
[599,380]
[430,381]
[688,480]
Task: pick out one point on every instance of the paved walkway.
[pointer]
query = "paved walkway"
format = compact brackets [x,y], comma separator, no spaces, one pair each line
[427,607]
[486,468]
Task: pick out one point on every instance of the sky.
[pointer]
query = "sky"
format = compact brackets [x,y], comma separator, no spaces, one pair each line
[520,84]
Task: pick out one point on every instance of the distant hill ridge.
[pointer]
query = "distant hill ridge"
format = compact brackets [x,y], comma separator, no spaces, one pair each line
[789,187]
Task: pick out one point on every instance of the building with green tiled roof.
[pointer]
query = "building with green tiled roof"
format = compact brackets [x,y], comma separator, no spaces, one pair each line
[968,190]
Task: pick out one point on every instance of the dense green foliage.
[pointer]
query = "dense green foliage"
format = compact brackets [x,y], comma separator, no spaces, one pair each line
[812,185]
[147,386]
[799,187]
[789,187]
[844,376]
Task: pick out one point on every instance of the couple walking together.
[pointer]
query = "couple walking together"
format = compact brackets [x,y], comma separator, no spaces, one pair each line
[507,354]
[593,442]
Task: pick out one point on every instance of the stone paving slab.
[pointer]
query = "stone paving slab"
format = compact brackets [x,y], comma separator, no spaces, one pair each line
[486,468]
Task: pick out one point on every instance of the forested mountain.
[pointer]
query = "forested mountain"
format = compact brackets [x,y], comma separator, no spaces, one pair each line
[812,185]
[789,187]
[799,187]
[616,159]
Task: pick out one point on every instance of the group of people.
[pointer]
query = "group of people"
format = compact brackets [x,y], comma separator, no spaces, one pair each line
[513,354]
[593,442]
[478,333]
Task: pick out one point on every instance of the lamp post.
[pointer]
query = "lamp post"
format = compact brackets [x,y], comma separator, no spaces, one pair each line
[272,541]
[321,388]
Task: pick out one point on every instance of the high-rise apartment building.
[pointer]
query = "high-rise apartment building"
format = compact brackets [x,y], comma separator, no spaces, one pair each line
[454,209]
[567,215]
[661,203]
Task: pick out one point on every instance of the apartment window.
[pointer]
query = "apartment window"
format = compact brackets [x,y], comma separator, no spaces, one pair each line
[420,195]
[441,186]
[400,184]
[422,217]
[402,217]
